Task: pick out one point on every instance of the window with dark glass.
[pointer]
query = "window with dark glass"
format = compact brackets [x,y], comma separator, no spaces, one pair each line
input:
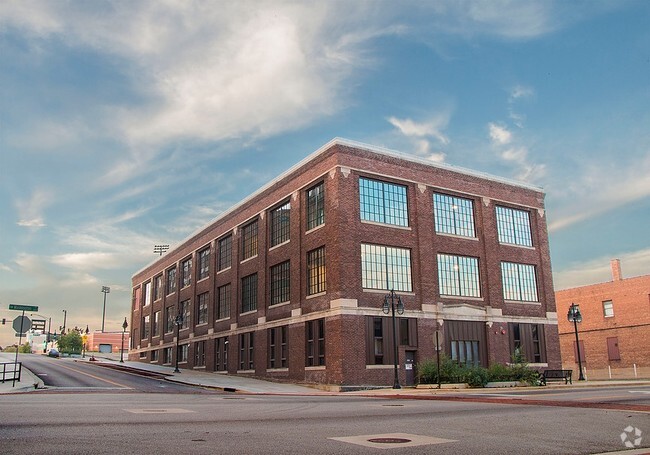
[184,352]
[186,272]
[199,354]
[170,316]
[316,272]
[519,282]
[280,224]
[185,312]
[156,323]
[247,351]
[202,308]
[513,226]
[280,283]
[249,240]
[204,263]
[465,352]
[277,347]
[315,337]
[145,327]
[158,287]
[225,253]
[384,267]
[527,343]
[315,206]
[171,281]
[453,215]
[383,202]
[458,276]
[223,301]
[137,293]
[167,355]
[249,293]
[221,354]
[147,293]
[154,355]
[378,341]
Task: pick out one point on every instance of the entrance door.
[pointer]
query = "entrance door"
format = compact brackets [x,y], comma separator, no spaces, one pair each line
[409,366]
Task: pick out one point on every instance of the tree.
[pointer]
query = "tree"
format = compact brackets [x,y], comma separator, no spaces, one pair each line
[25,349]
[70,343]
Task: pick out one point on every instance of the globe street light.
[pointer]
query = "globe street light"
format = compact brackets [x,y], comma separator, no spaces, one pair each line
[179,322]
[389,307]
[105,290]
[575,316]
[124,326]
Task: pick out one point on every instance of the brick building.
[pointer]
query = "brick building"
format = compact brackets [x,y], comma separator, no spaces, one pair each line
[290,283]
[615,328]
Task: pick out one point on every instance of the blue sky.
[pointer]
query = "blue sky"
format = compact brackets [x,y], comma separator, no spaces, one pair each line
[129,124]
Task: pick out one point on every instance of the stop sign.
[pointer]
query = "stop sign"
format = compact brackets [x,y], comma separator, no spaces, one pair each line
[22,324]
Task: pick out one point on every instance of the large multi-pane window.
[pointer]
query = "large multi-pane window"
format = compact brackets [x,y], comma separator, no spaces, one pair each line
[465,352]
[221,354]
[147,293]
[513,226]
[184,350]
[170,316]
[383,202]
[316,272]
[146,324]
[223,301]
[247,351]
[204,263]
[277,351]
[315,337]
[156,323]
[186,272]
[225,253]
[249,293]
[158,287]
[249,240]
[185,312]
[202,308]
[167,355]
[280,283]
[458,276]
[527,342]
[519,282]
[171,281]
[453,215]
[315,206]
[385,267]
[280,224]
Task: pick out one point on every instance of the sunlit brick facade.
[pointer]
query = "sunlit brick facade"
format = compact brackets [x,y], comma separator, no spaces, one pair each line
[290,283]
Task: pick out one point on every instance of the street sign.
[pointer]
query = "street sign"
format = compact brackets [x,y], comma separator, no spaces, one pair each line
[38,324]
[437,340]
[22,324]
[23,307]
[21,335]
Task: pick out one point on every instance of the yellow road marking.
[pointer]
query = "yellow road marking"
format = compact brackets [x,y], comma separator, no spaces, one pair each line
[96,377]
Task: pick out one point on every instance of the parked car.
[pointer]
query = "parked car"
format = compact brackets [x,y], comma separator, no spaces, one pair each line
[53,353]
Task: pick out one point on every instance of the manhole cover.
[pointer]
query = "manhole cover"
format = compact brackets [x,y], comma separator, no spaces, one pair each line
[389,440]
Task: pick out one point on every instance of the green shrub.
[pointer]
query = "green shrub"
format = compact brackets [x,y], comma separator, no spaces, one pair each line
[475,376]
[499,372]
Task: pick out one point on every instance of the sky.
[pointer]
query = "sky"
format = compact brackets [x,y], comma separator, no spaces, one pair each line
[128,124]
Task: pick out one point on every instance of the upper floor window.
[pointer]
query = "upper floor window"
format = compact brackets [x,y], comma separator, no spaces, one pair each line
[383,202]
[184,311]
[249,293]
[315,206]
[136,297]
[519,282]
[249,240]
[147,293]
[316,271]
[385,267]
[458,276]
[280,283]
[453,215]
[223,301]
[202,308]
[171,281]
[280,224]
[204,263]
[608,309]
[158,287]
[186,270]
[170,316]
[513,226]
[225,253]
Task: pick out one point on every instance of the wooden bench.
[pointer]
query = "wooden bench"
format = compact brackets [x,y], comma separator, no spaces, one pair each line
[556,375]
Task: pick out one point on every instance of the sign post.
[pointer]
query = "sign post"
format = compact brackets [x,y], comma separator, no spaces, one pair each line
[437,345]
[21,325]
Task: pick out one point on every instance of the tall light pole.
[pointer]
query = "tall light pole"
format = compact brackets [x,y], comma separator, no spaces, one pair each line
[179,322]
[65,317]
[160,249]
[575,316]
[105,290]
[390,301]
[124,326]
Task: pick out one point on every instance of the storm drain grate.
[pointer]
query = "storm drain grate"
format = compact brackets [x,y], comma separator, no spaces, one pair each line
[389,440]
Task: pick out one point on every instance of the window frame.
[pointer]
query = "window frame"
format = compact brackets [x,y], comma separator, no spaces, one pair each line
[383,202]
[280,224]
[316,271]
[224,301]
[608,309]
[172,279]
[515,282]
[460,275]
[202,305]
[250,240]
[204,264]
[511,228]
[453,215]
[186,273]
[379,266]
[315,347]
[224,246]
[315,206]
[249,285]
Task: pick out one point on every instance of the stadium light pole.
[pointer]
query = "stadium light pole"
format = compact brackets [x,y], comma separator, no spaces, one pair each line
[105,290]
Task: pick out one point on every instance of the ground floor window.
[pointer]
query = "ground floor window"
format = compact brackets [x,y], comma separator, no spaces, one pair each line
[277,351]
[221,354]
[465,352]
[167,355]
[154,356]
[315,336]
[247,351]
[379,338]
[183,351]
[199,354]
[527,343]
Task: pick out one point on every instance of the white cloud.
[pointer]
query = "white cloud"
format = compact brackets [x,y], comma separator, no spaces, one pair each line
[499,134]
[30,210]
[421,134]
[520,91]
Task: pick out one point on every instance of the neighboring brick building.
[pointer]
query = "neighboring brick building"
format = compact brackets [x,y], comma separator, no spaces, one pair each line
[615,328]
[107,342]
[290,283]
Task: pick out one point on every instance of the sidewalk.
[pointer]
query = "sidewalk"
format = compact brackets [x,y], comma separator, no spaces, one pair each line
[28,381]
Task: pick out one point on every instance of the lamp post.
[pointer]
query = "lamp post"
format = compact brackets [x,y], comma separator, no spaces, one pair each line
[390,301]
[85,341]
[179,322]
[65,317]
[575,316]
[105,290]
[124,326]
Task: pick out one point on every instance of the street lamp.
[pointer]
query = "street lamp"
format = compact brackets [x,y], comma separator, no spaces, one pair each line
[85,341]
[179,322]
[575,316]
[105,290]
[390,302]
[65,317]
[124,326]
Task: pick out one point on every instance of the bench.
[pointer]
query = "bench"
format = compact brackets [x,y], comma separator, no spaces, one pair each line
[556,375]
